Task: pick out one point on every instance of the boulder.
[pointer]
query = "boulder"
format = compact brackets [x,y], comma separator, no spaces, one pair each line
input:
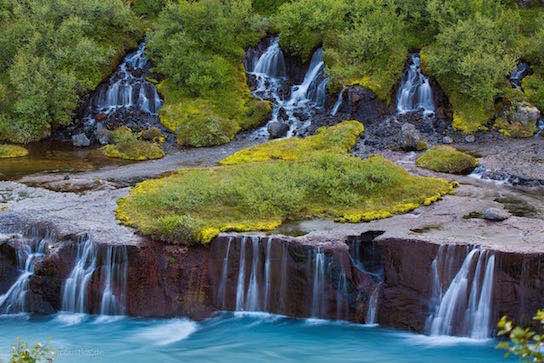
[470,139]
[495,214]
[277,129]
[410,139]
[447,140]
[80,140]
[102,134]
[526,114]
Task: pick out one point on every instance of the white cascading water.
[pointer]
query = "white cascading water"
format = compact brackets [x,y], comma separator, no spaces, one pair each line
[14,300]
[415,92]
[338,102]
[318,286]
[252,300]
[222,290]
[465,308]
[240,286]
[283,271]
[114,281]
[267,273]
[127,88]
[341,296]
[74,296]
[372,312]
[517,75]
[307,98]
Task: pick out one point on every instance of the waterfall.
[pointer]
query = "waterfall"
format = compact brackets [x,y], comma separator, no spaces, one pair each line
[306,98]
[318,286]
[522,70]
[240,288]
[267,268]
[252,303]
[114,281]
[127,88]
[221,292]
[372,312]
[283,270]
[74,296]
[14,300]
[338,102]
[465,308]
[415,93]
[341,295]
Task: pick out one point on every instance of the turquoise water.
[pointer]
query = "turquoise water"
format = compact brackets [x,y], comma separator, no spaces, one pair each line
[234,338]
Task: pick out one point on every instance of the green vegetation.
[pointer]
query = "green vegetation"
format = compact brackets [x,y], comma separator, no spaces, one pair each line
[12,151]
[446,159]
[130,146]
[198,47]
[51,53]
[21,352]
[194,205]
[337,139]
[524,343]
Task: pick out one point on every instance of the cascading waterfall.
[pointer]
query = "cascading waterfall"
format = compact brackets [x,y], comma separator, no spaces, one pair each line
[465,308]
[14,300]
[127,88]
[267,267]
[240,287]
[74,296]
[372,312]
[221,291]
[338,102]
[522,70]
[318,286]
[252,302]
[114,281]
[415,92]
[305,99]
[283,281]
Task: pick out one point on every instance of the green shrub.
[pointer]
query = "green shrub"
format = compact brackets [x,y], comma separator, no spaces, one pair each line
[446,159]
[194,205]
[12,151]
[533,86]
[524,343]
[127,145]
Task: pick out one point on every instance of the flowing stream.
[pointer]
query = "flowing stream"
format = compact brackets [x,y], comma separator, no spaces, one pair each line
[303,100]
[415,93]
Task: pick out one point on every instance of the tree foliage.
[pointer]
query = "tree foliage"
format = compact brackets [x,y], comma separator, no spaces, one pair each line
[51,53]
[524,343]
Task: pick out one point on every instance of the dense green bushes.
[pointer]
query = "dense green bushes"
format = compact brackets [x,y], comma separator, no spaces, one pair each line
[51,53]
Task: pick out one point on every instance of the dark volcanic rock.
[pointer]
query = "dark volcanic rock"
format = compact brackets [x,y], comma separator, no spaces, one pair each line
[277,129]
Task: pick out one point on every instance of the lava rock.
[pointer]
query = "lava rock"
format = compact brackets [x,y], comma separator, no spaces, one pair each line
[526,114]
[410,139]
[102,134]
[470,139]
[277,129]
[447,140]
[80,140]
[495,215]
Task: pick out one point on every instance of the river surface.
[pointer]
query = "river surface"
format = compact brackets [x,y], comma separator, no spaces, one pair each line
[234,338]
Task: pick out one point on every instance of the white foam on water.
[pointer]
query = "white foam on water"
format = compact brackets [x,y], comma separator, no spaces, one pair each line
[167,332]
[107,319]
[68,319]
[442,340]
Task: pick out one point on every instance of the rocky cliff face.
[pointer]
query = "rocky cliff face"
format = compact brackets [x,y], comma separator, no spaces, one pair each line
[282,275]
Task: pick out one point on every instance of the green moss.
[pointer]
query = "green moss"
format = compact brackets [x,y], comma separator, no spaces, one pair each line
[129,146]
[469,116]
[533,86]
[194,205]
[12,151]
[336,139]
[446,159]
[516,129]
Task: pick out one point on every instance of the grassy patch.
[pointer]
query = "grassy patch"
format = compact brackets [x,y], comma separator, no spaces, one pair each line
[335,140]
[12,151]
[129,146]
[446,159]
[194,205]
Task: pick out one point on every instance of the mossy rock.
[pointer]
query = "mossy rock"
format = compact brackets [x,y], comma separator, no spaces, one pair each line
[446,159]
[129,146]
[515,130]
[12,151]
[259,191]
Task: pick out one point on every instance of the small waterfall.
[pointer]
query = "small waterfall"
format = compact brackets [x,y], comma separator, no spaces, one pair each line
[372,312]
[240,288]
[267,267]
[338,102]
[415,93]
[114,281]
[342,296]
[14,300]
[283,281]
[465,308]
[221,292]
[306,98]
[74,296]
[318,286]
[522,70]
[127,88]
[252,303]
